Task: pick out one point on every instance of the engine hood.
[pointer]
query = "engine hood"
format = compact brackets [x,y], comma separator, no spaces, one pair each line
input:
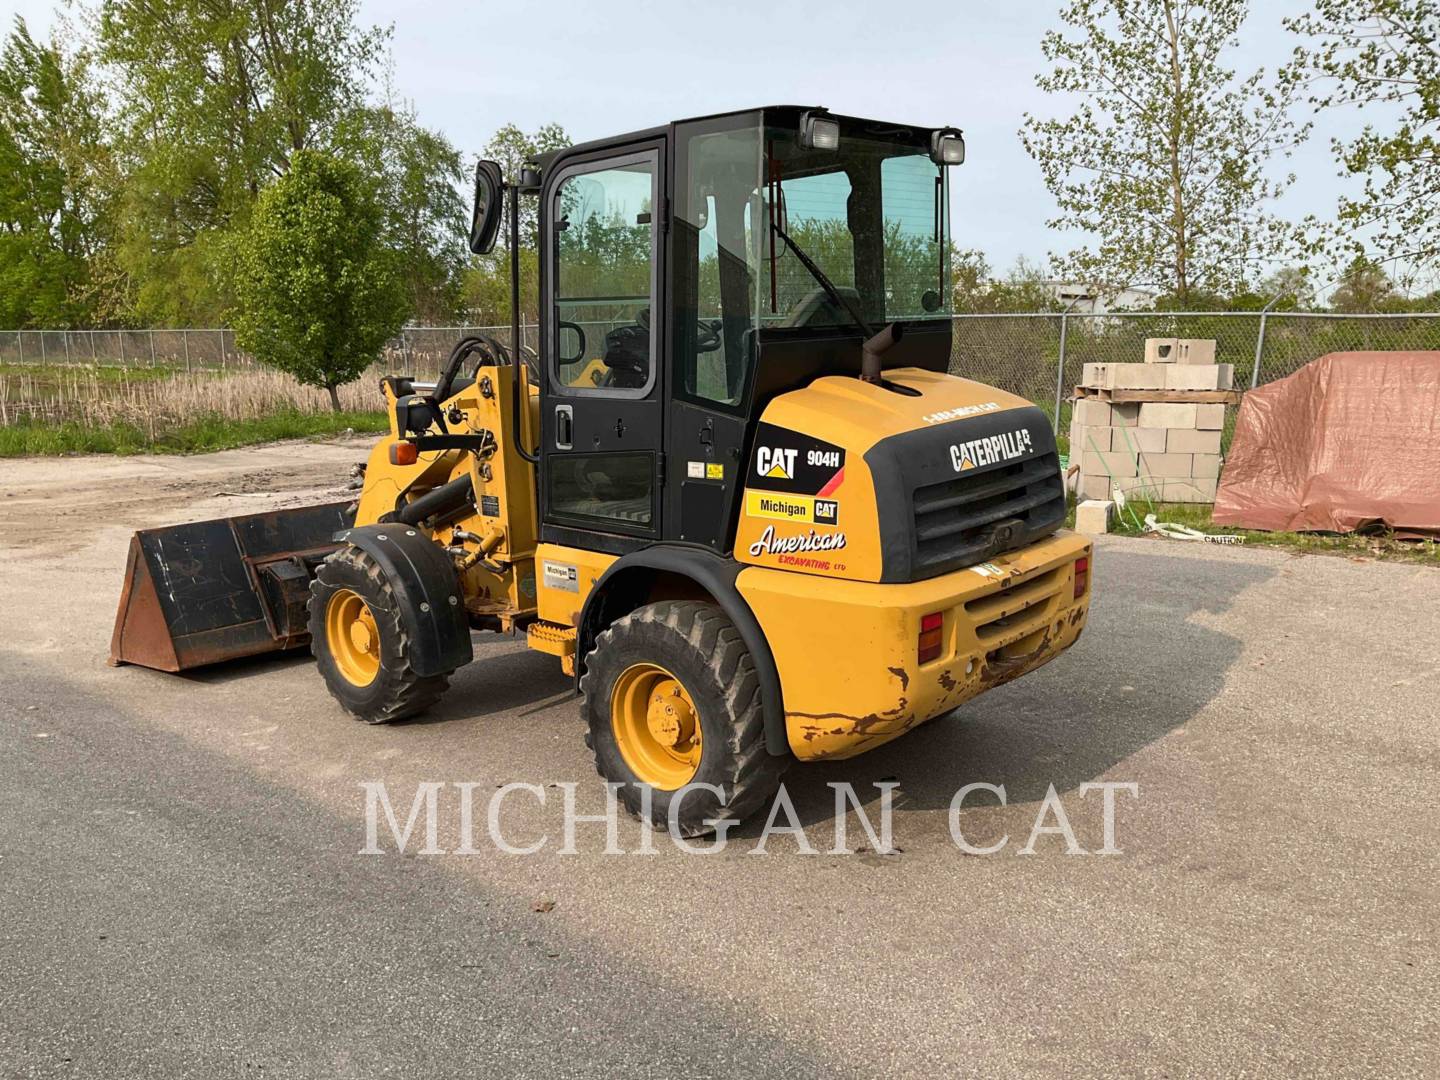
[853,480]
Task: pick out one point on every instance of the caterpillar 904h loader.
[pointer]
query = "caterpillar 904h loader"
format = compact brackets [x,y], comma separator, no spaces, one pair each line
[740,499]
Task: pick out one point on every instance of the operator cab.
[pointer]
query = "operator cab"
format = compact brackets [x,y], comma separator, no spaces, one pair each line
[692,272]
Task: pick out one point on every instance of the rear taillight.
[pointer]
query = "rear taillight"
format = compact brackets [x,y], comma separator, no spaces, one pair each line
[1082,576]
[932,628]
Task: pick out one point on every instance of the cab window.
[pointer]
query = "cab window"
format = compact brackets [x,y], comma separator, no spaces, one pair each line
[604,278]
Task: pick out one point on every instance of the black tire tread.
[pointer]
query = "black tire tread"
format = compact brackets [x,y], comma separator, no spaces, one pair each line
[398,691]
[750,772]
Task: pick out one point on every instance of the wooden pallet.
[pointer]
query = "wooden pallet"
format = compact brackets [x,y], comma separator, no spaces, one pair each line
[1120,397]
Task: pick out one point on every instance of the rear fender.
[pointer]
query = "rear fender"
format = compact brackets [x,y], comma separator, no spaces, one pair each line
[432,605]
[619,591]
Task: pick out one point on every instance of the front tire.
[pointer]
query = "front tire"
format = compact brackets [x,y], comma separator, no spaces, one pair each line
[672,699]
[359,641]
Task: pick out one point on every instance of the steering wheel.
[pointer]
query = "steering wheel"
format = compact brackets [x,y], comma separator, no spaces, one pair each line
[707,335]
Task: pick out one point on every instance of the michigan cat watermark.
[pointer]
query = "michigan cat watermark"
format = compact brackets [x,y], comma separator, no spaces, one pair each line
[521,819]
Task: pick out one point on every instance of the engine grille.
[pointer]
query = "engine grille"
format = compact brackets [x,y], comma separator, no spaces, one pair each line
[969,518]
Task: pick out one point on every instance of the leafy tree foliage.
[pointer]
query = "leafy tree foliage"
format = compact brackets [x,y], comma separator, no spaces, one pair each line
[319,292]
[1382,53]
[1164,159]
[55,179]
[419,174]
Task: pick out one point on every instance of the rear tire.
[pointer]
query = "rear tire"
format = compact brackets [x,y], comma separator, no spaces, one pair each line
[720,730]
[359,641]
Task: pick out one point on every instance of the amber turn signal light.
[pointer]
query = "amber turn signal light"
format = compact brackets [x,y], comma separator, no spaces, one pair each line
[403,453]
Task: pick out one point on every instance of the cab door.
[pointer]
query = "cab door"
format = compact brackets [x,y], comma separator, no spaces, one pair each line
[601,417]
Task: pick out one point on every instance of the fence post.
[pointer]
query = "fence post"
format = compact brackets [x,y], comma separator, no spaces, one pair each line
[1060,372]
[185,340]
[222,348]
[92,347]
[1260,341]
[66,336]
[20,344]
[43,358]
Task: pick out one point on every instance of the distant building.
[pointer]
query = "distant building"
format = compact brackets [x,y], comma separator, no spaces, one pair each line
[1088,302]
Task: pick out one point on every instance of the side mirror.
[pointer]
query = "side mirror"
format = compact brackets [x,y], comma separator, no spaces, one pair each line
[489,203]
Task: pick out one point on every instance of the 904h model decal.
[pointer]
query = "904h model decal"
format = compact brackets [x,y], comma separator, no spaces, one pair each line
[786,461]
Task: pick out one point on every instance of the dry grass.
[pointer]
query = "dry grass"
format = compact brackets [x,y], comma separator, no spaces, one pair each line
[53,409]
[155,401]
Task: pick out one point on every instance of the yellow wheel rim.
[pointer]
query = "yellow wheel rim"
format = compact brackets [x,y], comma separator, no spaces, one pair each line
[352,637]
[656,726]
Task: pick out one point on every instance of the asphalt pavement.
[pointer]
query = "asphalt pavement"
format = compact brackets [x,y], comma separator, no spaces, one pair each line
[182,888]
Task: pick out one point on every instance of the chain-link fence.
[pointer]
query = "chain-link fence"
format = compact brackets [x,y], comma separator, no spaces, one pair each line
[1041,356]
[1038,356]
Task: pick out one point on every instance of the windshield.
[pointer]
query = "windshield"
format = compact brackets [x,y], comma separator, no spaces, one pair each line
[870,214]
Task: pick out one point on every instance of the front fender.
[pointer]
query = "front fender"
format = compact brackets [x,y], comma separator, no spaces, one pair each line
[432,606]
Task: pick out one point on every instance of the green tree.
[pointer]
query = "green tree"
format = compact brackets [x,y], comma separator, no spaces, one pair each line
[215,99]
[1383,55]
[419,174]
[56,173]
[1363,288]
[1165,158]
[319,293]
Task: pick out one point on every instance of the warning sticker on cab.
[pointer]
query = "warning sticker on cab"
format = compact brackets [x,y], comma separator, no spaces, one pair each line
[803,508]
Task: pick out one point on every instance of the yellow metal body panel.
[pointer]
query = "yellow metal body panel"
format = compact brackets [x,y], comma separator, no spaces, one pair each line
[504,492]
[847,651]
[843,540]
[565,576]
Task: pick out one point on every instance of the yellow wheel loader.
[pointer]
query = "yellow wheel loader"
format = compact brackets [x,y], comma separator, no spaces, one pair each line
[739,497]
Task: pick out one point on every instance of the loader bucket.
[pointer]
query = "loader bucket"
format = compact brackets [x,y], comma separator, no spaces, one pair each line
[217,590]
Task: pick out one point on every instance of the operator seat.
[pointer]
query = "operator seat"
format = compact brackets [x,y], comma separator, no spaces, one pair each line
[627,353]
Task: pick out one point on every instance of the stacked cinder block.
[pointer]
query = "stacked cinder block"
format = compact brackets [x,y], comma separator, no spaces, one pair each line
[1153,442]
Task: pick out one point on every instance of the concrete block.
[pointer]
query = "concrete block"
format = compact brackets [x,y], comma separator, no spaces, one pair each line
[1195,351]
[1205,466]
[1117,465]
[1096,375]
[1126,414]
[1092,413]
[1207,417]
[1186,441]
[1092,516]
[1139,376]
[1143,440]
[1199,376]
[1166,466]
[1196,490]
[1094,487]
[1167,414]
[1179,350]
[1086,439]
[1161,350]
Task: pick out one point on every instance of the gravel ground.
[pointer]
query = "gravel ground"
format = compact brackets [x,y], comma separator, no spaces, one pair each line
[181,888]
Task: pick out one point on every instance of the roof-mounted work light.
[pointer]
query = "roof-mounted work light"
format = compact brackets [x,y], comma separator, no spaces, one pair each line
[819,132]
[947,147]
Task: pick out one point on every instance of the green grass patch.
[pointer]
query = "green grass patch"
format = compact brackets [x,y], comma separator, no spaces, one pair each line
[204,433]
[1373,545]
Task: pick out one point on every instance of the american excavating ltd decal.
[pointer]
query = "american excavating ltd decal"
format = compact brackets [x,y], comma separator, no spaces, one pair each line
[991,450]
[793,478]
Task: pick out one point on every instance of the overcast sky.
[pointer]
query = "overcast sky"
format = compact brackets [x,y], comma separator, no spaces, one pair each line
[600,67]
